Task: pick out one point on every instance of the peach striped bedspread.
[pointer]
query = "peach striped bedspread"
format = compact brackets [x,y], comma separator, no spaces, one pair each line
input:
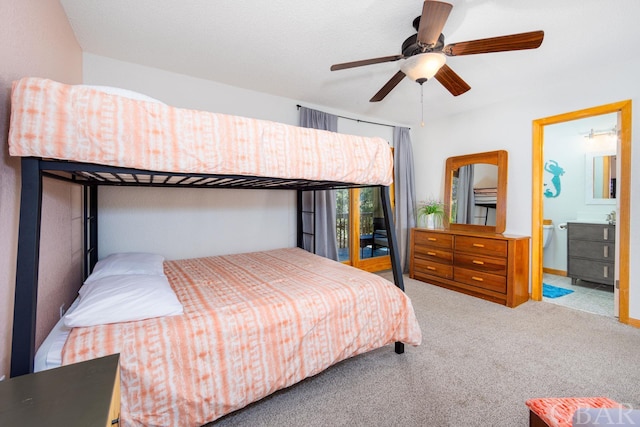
[82,124]
[253,323]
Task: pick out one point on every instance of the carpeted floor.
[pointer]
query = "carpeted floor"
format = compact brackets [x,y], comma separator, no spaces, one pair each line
[478,363]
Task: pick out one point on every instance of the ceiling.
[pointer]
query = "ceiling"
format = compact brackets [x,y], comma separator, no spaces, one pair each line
[285,47]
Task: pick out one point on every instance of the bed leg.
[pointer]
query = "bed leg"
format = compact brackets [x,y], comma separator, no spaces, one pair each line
[391,237]
[26,291]
[399,347]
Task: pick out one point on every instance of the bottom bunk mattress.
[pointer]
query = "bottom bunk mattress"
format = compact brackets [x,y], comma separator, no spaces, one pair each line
[253,323]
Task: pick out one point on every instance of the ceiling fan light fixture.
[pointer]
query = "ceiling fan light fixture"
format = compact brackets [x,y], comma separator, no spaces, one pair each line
[423,66]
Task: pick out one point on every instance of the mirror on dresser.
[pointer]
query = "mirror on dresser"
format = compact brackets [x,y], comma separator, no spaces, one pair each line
[476,192]
[470,256]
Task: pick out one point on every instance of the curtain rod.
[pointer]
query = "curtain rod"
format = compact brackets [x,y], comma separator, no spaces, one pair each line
[356,120]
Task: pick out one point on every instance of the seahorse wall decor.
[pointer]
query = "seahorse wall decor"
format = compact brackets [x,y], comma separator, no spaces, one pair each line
[553,168]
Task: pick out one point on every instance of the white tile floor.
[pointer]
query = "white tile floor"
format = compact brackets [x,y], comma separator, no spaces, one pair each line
[591,297]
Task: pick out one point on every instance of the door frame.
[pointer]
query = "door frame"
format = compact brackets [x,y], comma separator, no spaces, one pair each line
[374,264]
[623,220]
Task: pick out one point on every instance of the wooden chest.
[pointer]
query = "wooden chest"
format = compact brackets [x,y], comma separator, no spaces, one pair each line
[494,267]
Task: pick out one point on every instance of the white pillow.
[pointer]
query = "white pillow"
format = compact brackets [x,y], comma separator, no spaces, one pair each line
[123,298]
[128,263]
[136,96]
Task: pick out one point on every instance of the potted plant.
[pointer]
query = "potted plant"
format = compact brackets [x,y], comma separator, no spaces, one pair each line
[430,213]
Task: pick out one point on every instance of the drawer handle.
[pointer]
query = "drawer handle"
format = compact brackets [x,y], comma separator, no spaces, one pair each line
[434,254]
[606,251]
[478,245]
[606,271]
[431,239]
[475,261]
[477,279]
[606,233]
[431,268]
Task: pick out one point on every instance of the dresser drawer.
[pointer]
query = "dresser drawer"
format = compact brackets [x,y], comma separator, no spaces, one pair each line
[426,238]
[481,246]
[480,279]
[597,232]
[494,265]
[593,271]
[433,268]
[433,254]
[486,265]
[602,251]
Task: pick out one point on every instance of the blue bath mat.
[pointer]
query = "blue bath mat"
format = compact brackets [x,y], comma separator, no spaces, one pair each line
[549,291]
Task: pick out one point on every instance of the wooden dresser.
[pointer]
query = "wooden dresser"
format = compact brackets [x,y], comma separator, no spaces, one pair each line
[84,394]
[591,252]
[494,267]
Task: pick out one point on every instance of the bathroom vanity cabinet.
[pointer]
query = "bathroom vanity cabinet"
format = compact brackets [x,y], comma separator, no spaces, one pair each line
[591,252]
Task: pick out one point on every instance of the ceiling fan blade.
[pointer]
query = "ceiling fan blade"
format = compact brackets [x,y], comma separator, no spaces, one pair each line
[388,87]
[434,16]
[451,81]
[360,63]
[530,40]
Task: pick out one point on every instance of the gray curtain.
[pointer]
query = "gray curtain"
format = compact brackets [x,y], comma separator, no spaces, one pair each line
[405,191]
[464,196]
[326,243]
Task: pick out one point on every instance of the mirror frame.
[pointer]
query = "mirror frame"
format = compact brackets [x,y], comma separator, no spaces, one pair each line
[498,158]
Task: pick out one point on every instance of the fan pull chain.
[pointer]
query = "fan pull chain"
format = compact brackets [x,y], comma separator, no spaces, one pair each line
[422,104]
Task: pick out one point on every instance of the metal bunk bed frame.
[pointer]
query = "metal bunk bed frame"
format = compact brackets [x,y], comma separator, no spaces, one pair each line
[90,176]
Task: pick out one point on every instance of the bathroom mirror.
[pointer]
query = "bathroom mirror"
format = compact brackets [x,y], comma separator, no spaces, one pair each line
[600,178]
[476,192]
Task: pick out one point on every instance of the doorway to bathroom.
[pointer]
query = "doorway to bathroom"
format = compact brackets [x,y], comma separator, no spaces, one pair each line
[580,186]
[581,170]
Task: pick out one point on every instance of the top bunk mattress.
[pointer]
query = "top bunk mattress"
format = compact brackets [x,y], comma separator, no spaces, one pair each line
[83,124]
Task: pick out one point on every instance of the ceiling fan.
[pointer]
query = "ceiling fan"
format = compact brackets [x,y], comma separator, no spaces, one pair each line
[424,53]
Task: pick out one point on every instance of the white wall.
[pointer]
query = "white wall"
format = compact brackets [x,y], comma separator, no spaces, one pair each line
[183,223]
[187,223]
[353,127]
[508,126]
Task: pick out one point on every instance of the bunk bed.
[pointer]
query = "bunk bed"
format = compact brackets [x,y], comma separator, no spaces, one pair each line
[486,198]
[93,138]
